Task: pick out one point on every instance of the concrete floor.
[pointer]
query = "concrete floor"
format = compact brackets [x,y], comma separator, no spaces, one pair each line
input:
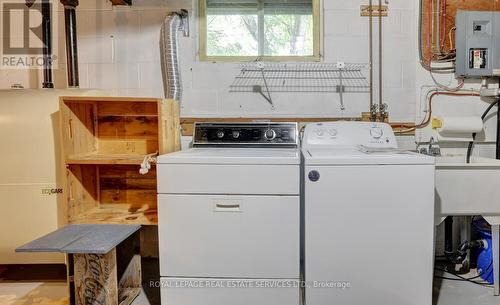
[40,293]
[53,293]
[446,292]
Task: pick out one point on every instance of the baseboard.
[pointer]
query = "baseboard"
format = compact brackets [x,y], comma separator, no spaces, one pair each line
[33,272]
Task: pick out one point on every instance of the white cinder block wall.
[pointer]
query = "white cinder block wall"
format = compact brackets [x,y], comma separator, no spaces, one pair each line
[345,38]
[119,53]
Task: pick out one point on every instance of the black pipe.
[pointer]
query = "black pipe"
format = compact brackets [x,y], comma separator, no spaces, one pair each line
[464,250]
[47,45]
[448,234]
[498,133]
[71,44]
[483,117]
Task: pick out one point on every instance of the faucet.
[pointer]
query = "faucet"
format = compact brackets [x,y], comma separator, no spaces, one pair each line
[434,149]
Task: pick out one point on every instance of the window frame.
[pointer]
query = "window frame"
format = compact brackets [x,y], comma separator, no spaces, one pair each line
[202,41]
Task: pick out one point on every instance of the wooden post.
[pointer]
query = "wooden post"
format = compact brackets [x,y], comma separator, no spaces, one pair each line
[109,279]
[70,262]
[103,262]
[129,274]
[95,279]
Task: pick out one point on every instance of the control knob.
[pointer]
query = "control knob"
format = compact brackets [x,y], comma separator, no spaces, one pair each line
[319,132]
[376,132]
[270,134]
[333,132]
[220,134]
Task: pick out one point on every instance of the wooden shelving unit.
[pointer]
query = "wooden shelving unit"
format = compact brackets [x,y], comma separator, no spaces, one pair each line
[104,142]
[116,214]
[94,158]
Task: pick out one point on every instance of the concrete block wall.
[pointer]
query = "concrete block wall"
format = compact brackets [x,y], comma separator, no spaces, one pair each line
[345,38]
[119,53]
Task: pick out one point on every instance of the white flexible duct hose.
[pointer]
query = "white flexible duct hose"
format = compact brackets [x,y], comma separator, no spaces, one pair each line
[172,84]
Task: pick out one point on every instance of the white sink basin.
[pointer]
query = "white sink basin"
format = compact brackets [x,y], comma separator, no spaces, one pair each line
[467,189]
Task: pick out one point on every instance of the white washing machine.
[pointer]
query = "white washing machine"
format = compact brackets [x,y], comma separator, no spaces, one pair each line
[229,219]
[368,217]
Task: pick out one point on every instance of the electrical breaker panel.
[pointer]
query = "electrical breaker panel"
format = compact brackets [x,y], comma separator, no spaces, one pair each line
[477,44]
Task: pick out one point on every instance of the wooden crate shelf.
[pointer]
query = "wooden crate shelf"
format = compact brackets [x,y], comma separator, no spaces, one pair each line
[94,158]
[104,142]
[114,194]
[113,214]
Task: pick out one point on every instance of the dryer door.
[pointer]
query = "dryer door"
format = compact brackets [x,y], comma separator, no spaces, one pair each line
[229,236]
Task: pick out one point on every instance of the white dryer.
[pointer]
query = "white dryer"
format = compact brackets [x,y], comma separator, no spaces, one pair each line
[229,219]
[368,217]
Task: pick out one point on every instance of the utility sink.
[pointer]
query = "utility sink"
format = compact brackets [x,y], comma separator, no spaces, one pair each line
[471,189]
[467,189]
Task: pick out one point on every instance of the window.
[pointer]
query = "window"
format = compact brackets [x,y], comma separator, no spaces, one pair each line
[244,30]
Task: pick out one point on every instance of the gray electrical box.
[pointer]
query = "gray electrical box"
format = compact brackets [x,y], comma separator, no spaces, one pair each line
[478,44]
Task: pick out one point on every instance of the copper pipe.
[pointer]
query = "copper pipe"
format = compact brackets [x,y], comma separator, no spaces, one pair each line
[426,121]
[371,53]
[429,116]
[380,55]
[443,25]
[424,47]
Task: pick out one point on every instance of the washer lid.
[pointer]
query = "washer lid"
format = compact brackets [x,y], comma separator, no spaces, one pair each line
[359,157]
[252,156]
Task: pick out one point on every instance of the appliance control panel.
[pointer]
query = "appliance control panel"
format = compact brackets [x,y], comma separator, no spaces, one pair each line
[350,134]
[241,134]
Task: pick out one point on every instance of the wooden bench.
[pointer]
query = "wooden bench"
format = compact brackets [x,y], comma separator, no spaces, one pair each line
[104,262]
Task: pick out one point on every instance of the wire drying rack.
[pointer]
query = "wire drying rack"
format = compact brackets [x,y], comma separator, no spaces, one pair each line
[266,78]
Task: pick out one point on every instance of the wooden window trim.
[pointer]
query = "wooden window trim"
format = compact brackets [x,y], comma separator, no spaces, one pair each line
[202,47]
